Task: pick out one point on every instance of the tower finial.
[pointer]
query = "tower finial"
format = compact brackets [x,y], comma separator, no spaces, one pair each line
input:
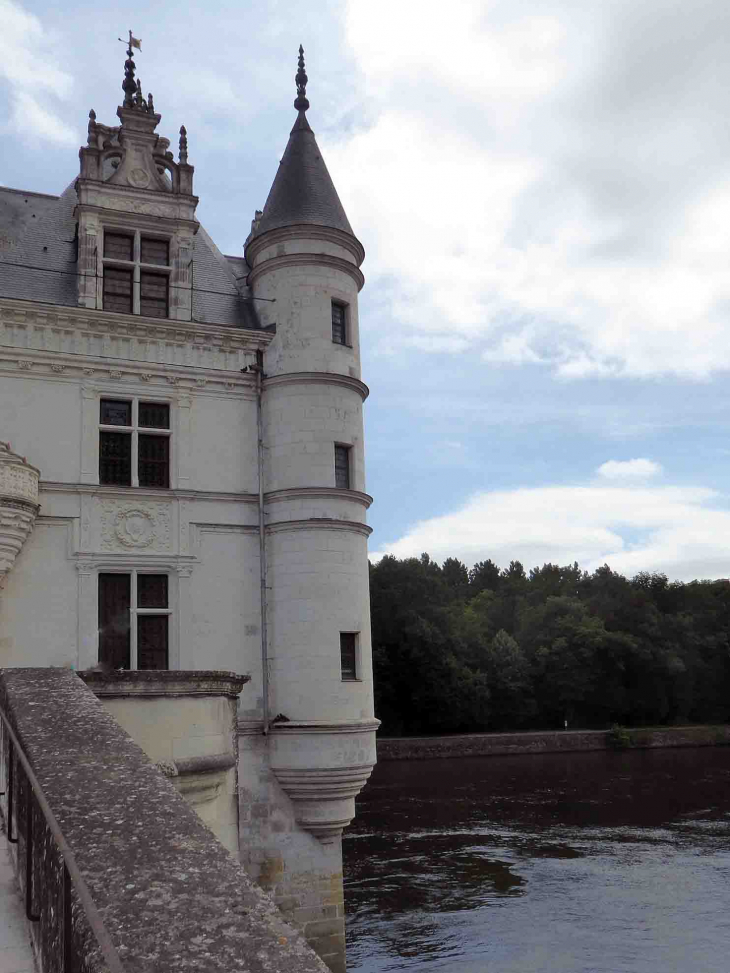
[183,145]
[129,85]
[301,103]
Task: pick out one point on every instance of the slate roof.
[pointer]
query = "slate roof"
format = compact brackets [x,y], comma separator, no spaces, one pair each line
[303,191]
[38,253]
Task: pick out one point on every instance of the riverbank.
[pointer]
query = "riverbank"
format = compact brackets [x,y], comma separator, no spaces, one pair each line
[549,741]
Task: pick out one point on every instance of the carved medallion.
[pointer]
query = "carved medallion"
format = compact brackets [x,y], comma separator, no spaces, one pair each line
[138,178]
[134,527]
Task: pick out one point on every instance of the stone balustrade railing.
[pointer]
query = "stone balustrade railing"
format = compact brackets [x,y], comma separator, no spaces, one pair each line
[119,873]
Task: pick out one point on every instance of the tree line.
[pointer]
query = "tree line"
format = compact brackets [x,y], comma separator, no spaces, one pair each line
[458,650]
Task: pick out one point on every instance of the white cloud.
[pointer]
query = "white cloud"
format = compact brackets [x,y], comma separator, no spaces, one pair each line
[545,182]
[631,469]
[29,64]
[681,531]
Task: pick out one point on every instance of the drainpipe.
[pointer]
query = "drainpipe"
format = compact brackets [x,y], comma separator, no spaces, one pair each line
[258,368]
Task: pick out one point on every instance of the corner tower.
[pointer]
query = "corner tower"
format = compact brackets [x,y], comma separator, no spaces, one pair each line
[319,724]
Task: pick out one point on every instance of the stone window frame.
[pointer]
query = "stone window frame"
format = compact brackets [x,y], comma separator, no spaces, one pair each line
[135,265]
[90,567]
[179,432]
[134,431]
[135,611]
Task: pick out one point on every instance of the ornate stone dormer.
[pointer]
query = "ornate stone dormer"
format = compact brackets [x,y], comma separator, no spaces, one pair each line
[130,188]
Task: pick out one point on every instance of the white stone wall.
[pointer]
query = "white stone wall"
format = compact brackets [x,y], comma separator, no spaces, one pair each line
[203,532]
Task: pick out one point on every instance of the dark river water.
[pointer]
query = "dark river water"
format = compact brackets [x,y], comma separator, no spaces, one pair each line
[563,863]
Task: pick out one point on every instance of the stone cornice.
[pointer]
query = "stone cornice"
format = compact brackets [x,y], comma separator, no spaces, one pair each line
[318,378]
[50,486]
[318,493]
[319,523]
[304,231]
[165,682]
[82,338]
[307,260]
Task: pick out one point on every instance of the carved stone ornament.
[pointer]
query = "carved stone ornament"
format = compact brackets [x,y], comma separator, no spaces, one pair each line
[136,528]
[18,505]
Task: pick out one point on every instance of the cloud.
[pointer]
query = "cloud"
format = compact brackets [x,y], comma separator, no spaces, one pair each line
[681,531]
[540,182]
[631,469]
[29,59]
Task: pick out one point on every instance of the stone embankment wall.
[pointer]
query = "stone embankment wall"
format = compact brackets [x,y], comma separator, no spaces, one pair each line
[557,741]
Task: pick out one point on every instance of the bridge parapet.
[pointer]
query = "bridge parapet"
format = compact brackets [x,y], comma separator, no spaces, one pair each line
[119,873]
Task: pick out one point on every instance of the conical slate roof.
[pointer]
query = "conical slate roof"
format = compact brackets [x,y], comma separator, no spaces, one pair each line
[303,191]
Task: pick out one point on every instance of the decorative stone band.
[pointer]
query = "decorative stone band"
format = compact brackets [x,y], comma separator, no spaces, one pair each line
[322,766]
[318,378]
[307,260]
[318,493]
[319,523]
[165,682]
[304,231]
[18,505]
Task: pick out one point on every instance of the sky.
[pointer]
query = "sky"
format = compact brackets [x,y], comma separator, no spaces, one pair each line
[543,192]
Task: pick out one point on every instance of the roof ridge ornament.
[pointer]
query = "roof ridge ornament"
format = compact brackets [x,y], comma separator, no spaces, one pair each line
[301,103]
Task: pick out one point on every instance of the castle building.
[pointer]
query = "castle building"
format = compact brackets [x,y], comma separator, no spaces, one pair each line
[182,470]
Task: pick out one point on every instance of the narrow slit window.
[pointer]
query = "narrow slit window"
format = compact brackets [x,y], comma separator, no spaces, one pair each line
[348,655]
[342,467]
[339,323]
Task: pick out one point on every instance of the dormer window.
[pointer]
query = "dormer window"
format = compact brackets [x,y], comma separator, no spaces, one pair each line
[136,274]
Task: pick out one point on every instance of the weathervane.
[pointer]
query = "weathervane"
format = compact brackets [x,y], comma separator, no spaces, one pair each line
[133,97]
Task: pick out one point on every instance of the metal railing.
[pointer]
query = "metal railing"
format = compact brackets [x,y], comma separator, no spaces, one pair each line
[66,925]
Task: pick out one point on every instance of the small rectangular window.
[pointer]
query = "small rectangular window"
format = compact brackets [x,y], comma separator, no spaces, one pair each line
[154,251]
[348,655]
[153,294]
[118,246]
[117,290]
[342,467]
[339,323]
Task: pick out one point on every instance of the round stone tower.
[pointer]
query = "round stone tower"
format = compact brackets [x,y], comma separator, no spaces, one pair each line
[320,727]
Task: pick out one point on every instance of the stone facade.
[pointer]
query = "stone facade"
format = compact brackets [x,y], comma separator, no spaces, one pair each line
[264,551]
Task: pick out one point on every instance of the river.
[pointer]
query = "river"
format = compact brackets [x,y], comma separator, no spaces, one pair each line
[602,862]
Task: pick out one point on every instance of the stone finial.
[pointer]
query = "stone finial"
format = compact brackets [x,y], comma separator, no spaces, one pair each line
[301,103]
[150,104]
[183,145]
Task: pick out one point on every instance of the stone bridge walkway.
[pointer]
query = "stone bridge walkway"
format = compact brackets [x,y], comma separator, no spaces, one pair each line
[15,952]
